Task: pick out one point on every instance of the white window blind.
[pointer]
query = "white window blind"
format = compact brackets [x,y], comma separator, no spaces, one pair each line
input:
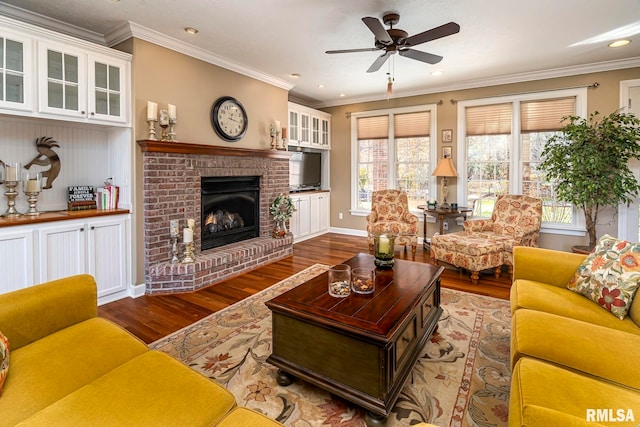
[489,119]
[411,125]
[546,115]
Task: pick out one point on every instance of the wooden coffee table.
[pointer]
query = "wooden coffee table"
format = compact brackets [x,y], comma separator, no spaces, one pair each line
[362,347]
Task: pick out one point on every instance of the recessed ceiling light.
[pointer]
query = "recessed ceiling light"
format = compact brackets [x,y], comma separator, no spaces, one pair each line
[321,86]
[436,73]
[342,95]
[619,43]
[191,30]
[295,75]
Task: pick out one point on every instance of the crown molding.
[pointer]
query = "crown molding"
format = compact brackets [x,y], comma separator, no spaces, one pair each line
[131,29]
[48,23]
[596,67]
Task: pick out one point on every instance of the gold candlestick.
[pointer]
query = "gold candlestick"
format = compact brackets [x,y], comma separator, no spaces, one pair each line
[189,257]
[11,195]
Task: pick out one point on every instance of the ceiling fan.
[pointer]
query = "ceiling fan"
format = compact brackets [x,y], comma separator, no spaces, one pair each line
[395,40]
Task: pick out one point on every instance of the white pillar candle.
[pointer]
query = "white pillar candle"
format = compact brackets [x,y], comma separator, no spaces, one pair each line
[277,124]
[11,172]
[191,223]
[152,111]
[172,112]
[33,186]
[174,228]
[383,244]
[187,235]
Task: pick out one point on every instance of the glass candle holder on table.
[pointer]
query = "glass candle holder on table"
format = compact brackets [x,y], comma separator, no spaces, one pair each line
[340,280]
[383,247]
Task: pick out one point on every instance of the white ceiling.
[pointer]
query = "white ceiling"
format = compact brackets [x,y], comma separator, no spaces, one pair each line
[500,41]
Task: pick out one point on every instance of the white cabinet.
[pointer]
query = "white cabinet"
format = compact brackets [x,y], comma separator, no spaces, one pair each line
[48,75]
[305,130]
[96,246]
[16,80]
[77,84]
[308,127]
[312,215]
[16,259]
[294,118]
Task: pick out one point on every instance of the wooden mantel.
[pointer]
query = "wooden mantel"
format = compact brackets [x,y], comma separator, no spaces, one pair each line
[148,145]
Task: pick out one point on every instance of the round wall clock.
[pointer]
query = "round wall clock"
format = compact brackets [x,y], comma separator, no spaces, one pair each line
[229,118]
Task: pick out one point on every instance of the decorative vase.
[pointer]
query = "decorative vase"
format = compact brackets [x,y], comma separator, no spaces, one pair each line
[383,247]
[279,229]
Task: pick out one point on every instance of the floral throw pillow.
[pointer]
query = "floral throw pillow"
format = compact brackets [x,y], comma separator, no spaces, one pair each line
[610,275]
[4,360]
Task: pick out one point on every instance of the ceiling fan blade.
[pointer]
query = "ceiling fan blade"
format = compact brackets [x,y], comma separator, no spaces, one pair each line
[429,58]
[379,62]
[366,49]
[432,34]
[377,29]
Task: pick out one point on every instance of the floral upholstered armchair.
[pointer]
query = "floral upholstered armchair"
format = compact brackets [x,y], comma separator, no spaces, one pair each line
[390,214]
[488,243]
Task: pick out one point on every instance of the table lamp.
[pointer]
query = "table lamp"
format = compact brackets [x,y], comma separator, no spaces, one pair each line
[444,169]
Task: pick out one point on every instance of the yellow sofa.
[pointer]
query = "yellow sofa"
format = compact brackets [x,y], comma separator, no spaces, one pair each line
[69,367]
[573,363]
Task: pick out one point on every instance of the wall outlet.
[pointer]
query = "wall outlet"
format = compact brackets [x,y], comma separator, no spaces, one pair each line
[445,225]
[340,216]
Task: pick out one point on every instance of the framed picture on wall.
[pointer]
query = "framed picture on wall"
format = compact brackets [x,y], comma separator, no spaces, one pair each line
[446,152]
[447,136]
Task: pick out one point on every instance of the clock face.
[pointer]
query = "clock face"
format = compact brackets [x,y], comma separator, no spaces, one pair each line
[229,118]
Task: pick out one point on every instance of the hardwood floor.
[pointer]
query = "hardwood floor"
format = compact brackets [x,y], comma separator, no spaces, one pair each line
[152,317]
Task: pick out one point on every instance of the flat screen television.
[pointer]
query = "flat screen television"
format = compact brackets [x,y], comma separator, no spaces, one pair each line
[305,171]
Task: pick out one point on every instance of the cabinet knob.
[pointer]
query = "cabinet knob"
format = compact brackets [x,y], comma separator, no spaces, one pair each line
[93,228]
[93,114]
[82,229]
[82,112]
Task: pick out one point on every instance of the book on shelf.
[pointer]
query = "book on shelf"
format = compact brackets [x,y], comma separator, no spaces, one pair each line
[108,197]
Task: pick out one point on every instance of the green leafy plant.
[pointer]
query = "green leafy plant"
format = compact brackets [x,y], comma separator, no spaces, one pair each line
[587,162]
[282,208]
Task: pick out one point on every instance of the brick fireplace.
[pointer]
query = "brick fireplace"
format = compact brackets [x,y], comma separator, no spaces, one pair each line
[172,173]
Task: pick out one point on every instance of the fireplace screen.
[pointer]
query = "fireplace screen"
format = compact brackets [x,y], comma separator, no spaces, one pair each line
[230,209]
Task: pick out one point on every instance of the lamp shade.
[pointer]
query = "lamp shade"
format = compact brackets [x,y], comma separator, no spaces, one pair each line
[445,168]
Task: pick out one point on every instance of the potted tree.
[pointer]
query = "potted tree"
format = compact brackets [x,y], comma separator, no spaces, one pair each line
[587,162]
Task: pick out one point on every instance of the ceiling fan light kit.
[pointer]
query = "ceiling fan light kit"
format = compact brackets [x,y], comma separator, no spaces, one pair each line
[394,40]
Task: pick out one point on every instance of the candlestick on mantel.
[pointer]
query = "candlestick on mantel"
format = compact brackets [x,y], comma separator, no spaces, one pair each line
[172,111]
[191,223]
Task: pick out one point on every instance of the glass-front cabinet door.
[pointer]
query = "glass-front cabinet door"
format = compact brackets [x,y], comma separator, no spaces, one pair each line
[63,83]
[107,89]
[326,142]
[15,68]
[315,131]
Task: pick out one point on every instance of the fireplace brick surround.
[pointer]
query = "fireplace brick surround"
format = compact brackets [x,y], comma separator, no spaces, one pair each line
[171,176]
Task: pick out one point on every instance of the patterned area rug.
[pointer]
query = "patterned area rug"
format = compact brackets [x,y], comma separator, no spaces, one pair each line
[461,378]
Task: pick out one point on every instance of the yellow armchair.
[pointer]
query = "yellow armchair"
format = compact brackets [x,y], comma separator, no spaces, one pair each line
[390,214]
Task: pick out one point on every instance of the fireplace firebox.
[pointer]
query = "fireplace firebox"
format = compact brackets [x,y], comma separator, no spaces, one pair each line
[230,210]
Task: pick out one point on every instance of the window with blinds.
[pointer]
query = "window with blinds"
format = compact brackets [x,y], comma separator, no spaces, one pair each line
[497,130]
[393,151]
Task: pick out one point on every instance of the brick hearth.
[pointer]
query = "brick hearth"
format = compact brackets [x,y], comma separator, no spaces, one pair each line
[171,176]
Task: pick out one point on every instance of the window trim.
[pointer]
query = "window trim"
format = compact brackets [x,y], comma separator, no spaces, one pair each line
[433,140]
[579,227]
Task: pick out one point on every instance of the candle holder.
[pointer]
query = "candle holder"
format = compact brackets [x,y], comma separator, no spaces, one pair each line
[172,129]
[11,195]
[383,250]
[10,178]
[152,129]
[189,257]
[32,186]
[274,136]
[174,250]
[164,124]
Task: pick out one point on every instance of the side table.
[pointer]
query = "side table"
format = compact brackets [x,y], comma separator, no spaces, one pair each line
[441,215]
